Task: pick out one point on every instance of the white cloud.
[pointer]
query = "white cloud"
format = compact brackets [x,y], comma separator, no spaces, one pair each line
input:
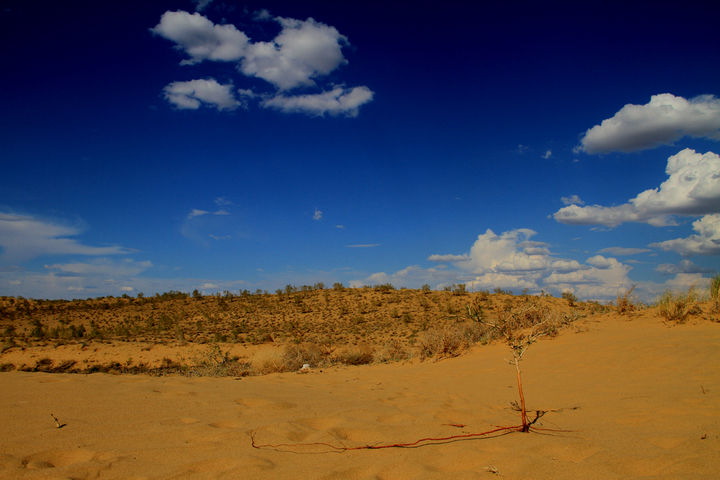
[665,119]
[302,53]
[23,238]
[685,266]
[200,38]
[572,200]
[317,215]
[693,188]
[223,201]
[598,261]
[367,245]
[338,101]
[198,213]
[195,93]
[101,267]
[449,258]
[339,226]
[547,154]
[706,242]
[303,50]
[623,251]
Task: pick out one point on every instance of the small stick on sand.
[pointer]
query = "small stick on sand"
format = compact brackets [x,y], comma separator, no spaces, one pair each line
[56,421]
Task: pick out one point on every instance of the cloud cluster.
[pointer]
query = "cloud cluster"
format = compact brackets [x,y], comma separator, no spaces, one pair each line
[665,119]
[302,53]
[706,242]
[23,238]
[693,188]
[513,261]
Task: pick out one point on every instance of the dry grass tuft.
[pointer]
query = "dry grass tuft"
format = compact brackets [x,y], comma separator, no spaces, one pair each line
[676,306]
[626,301]
[269,360]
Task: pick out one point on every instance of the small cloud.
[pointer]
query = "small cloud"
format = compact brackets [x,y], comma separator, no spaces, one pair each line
[448,258]
[196,213]
[196,93]
[224,237]
[685,266]
[522,149]
[369,245]
[220,201]
[547,154]
[623,251]
[201,5]
[127,289]
[262,16]
[317,215]
[339,226]
[662,121]
[572,200]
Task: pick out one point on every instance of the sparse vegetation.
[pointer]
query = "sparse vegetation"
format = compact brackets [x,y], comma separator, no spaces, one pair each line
[676,306]
[300,325]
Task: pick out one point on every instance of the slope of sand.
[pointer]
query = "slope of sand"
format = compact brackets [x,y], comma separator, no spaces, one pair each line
[642,399]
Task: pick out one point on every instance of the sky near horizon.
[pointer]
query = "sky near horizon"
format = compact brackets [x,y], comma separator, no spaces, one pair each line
[229,146]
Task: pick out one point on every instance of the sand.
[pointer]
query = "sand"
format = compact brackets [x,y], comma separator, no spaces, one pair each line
[641,400]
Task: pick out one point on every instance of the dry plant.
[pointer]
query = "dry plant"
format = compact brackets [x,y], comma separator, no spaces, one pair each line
[626,301]
[715,292]
[676,306]
[510,326]
[450,341]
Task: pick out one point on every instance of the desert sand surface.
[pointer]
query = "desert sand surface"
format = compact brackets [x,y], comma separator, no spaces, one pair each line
[629,396]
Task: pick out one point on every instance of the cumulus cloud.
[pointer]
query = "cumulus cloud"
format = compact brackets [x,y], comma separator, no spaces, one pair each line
[317,215]
[706,242]
[685,266]
[693,188]
[572,200]
[200,38]
[513,261]
[665,119]
[195,93]
[338,101]
[303,52]
[24,237]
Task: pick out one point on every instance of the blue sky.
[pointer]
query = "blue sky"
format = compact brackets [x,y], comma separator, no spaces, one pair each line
[223,146]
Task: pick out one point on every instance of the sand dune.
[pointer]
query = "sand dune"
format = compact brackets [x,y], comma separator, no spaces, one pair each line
[642,400]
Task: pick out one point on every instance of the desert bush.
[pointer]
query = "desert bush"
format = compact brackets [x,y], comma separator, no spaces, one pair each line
[570,297]
[676,306]
[213,362]
[715,292]
[295,356]
[356,356]
[269,360]
[391,352]
[450,341]
[626,301]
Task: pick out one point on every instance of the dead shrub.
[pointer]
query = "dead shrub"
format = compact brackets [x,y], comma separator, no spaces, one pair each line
[677,306]
[362,355]
[391,352]
[450,341]
[269,360]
